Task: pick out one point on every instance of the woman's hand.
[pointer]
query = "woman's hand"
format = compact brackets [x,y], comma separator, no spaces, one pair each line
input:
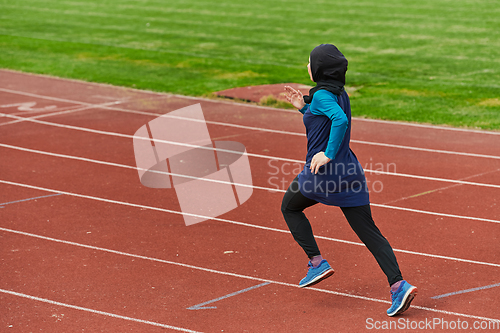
[295,97]
[318,160]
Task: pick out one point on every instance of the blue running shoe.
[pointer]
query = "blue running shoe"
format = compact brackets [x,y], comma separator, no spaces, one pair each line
[402,298]
[316,274]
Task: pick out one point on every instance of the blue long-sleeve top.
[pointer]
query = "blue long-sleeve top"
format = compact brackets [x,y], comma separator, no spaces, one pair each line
[326,104]
[340,182]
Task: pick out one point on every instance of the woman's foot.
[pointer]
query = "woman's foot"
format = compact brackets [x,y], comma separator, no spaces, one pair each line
[316,274]
[401,298]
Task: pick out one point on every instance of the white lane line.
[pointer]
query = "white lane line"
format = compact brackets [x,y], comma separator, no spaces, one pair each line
[44,97]
[202,306]
[243,185]
[299,134]
[446,180]
[234,222]
[262,129]
[27,113]
[443,188]
[434,213]
[259,129]
[458,182]
[209,270]
[445,128]
[107,314]
[137,168]
[438,151]
[466,291]
[83,129]
[80,108]
[3,204]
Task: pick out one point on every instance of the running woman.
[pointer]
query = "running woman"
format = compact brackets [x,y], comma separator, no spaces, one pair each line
[333,176]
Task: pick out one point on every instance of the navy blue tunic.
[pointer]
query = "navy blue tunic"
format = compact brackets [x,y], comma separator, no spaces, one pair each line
[341,182]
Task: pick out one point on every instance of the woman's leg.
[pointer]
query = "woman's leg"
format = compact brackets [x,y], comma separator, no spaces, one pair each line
[360,219]
[292,208]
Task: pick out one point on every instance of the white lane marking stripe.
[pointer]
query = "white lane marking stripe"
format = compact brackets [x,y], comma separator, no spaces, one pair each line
[233,222]
[434,213]
[44,97]
[209,270]
[443,188]
[389,145]
[466,291]
[255,187]
[462,182]
[137,168]
[71,110]
[260,129]
[264,129]
[107,314]
[83,129]
[438,151]
[428,126]
[246,185]
[202,306]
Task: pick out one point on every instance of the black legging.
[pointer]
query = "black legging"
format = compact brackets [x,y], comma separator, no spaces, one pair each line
[360,220]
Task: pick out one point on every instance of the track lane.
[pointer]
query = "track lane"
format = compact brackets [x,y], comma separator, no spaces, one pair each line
[102,267]
[347,258]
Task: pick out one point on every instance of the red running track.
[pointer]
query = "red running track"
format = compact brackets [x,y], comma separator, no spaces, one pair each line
[86,247]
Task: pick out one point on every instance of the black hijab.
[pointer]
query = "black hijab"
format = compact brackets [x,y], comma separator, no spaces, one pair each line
[328,67]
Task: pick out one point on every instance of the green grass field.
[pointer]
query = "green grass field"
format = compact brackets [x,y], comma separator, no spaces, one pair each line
[425,61]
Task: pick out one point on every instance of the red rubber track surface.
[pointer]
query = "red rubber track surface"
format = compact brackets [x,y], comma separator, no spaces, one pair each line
[99,252]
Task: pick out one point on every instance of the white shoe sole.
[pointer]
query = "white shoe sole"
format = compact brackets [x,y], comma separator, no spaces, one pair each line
[405,304]
[329,272]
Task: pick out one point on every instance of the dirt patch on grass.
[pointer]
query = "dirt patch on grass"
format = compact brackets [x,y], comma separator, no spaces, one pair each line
[267,94]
